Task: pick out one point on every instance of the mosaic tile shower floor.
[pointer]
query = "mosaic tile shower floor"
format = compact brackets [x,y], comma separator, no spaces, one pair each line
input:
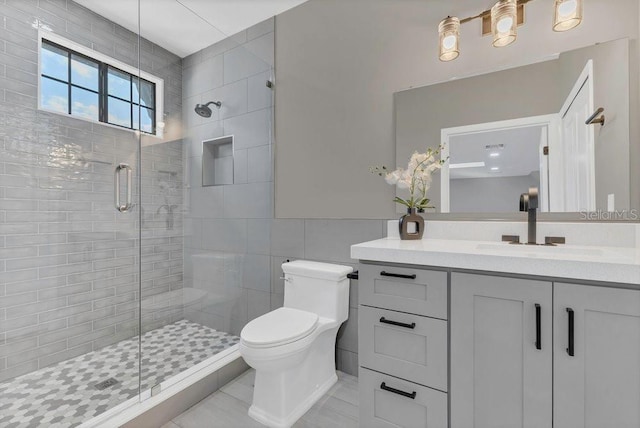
[64,395]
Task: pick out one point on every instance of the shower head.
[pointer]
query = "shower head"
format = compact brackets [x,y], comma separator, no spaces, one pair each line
[204,110]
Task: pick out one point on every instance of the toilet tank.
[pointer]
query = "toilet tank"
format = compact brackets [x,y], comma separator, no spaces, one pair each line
[321,288]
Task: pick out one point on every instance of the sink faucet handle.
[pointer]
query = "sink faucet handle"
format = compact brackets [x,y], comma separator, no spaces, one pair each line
[512,239]
[524,202]
[553,240]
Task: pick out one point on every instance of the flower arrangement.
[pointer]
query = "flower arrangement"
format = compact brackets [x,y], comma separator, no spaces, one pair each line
[416,178]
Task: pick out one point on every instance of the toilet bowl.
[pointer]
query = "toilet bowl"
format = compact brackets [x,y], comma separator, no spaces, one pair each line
[292,348]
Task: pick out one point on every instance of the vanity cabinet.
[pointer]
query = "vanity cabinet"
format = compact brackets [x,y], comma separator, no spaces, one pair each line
[599,384]
[511,367]
[501,358]
[403,347]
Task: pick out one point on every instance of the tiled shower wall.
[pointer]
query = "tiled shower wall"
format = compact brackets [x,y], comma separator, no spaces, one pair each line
[227,226]
[68,261]
[233,245]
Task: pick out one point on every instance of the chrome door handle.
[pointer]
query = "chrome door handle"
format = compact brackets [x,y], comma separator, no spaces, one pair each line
[127,205]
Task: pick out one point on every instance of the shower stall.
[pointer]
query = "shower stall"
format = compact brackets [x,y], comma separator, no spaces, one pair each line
[120,272]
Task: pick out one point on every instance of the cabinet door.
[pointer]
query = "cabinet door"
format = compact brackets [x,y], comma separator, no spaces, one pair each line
[599,385]
[499,377]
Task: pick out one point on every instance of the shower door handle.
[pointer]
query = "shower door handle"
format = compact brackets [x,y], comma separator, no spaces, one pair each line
[127,205]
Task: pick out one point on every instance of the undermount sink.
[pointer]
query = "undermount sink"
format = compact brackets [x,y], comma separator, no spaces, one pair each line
[542,250]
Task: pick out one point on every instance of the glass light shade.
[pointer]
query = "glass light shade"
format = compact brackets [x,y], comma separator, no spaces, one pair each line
[449,30]
[504,22]
[568,14]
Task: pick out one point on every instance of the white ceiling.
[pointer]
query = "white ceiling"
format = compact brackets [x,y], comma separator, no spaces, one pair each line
[518,157]
[186,26]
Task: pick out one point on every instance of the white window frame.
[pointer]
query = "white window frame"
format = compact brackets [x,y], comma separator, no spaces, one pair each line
[157,81]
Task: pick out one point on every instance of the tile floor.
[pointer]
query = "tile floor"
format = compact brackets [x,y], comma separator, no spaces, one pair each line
[228,407]
[64,394]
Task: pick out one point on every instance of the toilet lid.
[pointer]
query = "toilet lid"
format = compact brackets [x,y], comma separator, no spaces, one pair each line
[284,325]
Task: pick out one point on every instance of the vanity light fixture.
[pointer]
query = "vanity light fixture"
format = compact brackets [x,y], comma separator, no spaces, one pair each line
[568,14]
[449,30]
[502,21]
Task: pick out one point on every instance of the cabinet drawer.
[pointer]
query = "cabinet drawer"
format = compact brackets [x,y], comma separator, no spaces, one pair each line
[417,291]
[417,353]
[384,408]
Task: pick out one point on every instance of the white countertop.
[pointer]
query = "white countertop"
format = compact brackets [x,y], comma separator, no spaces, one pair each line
[595,263]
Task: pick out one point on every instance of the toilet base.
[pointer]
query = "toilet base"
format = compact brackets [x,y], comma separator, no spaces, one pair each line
[268,420]
[286,387]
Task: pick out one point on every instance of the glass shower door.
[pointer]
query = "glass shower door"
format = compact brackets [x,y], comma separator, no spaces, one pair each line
[69,216]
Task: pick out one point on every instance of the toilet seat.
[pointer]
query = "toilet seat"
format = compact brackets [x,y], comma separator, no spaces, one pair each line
[279,327]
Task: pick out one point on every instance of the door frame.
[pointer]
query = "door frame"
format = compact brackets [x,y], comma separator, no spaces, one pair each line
[551,121]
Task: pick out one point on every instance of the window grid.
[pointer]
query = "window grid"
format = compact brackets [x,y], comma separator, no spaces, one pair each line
[103,90]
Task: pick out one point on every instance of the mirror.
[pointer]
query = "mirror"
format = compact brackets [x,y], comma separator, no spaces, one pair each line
[526,127]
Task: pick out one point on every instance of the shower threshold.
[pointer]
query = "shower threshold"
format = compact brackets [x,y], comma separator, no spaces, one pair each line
[135,407]
[65,394]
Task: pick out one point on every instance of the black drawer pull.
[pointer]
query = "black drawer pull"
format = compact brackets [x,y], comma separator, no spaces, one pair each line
[411,395]
[538,326]
[399,324]
[570,348]
[398,275]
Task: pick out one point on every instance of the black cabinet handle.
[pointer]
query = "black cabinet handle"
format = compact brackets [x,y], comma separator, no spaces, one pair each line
[398,275]
[399,324]
[538,327]
[570,348]
[411,395]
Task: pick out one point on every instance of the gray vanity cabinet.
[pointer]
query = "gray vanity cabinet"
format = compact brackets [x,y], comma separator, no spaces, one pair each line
[402,347]
[501,357]
[511,367]
[599,385]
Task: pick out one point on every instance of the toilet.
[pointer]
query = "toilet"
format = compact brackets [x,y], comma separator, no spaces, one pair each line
[292,348]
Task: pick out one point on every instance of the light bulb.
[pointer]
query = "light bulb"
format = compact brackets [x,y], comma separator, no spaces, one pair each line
[504,24]
[449,42]
[568,14]
[567,8]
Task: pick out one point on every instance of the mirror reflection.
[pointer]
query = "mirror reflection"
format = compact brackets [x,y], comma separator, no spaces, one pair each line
[561,125]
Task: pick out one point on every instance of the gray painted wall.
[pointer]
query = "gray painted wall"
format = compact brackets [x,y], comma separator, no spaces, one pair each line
[68,262]
[334,104]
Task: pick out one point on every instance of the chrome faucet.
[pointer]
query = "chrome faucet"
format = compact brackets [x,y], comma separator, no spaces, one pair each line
[529,203]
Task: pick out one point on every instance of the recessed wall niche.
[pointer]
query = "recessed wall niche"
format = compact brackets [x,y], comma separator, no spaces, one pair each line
[217,161]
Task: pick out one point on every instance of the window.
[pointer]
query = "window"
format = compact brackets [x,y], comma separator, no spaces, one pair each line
[91,86]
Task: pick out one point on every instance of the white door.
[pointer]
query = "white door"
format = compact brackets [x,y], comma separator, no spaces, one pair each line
[599,385]
[501,359]
[577,146]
